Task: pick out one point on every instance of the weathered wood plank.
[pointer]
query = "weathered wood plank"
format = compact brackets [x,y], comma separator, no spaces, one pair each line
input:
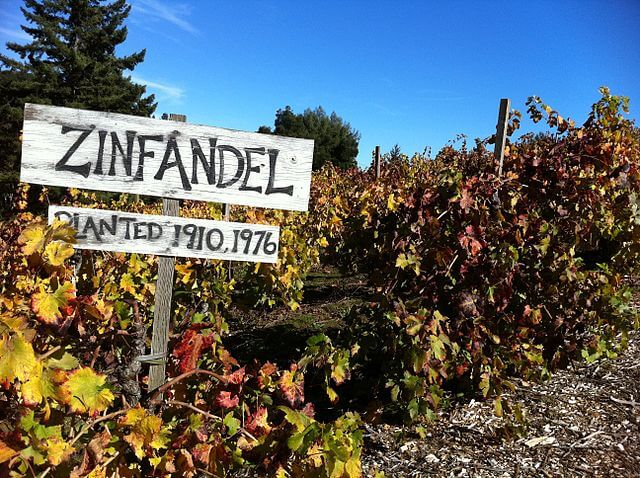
[501,132]
[162,308]
[121,153]
[106,230]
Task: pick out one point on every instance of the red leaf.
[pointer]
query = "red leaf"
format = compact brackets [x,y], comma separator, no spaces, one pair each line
[309,410]
[466,201]
[264,375]
[190,348]
[257,423]
[201,452]
[227,360]
[291,385]
[268,369]
[236,377]
[226,400]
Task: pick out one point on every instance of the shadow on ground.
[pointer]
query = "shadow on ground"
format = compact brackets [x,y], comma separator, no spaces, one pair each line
[280,334]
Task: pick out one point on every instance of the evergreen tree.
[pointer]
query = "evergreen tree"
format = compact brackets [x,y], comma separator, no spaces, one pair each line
[335,140]
[71,61]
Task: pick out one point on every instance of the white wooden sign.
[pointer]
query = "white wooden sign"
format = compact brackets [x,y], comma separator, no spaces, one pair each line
[120,231]
[131,154]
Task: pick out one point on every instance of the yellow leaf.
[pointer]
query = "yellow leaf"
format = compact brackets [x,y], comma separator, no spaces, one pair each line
[392,204]
[136,264]
[11,323]
[47,305]
[147,432]
[38,387]
[17,359]
[85,392]
[58,450]
[6,453]
[45,377]
[57,252]
[33,238]
[127,284]
[61,231]
[323,242]
[184,272]
[352,468]
[97,472]
[338,470]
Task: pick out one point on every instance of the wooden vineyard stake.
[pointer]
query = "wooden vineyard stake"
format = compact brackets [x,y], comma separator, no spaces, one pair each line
[162,311]
[226,212]
[376,161]
[501,132]
[163,299]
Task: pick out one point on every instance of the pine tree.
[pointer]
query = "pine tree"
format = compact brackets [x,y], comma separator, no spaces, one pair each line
[335,140]
[72,62]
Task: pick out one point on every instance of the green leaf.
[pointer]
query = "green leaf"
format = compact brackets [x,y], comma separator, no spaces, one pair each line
[66,362]
[317,339]
[395,391]
[86,391]
[232,423]
[437,346]
[297,419]
[295,441]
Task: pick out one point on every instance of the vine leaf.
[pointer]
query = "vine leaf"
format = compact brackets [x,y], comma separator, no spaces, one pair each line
[6,453]
[190,348]
[46,377]
[466,200]
[85,391]
[44,439]
[58,449]
[39,386]
[17,359]
[62,231]
[47,305]
[147,433]
[33,238]
[340,366]
[291,385]
[66,362]
[57,252]
[226,400]
[258,423]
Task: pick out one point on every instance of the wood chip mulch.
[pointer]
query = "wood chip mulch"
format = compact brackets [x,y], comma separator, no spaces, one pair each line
[584,422]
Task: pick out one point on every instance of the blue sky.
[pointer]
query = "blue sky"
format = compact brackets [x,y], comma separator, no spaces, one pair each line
[415,73]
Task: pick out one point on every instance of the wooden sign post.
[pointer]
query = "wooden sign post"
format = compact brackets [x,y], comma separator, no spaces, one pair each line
[162,308]
[163,299]
[173,160]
